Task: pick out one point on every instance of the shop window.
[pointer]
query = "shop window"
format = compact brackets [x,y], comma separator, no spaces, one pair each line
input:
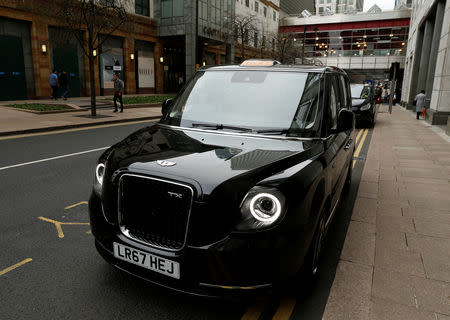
[142,7]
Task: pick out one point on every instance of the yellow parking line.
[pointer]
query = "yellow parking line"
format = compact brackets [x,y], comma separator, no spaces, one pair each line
[58,225]
[2,272]
[253,312]
[285,309]
[71,130]
[361,143]
[76,204]
[359,135]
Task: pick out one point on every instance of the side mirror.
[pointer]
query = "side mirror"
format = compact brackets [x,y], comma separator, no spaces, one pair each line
[346,120]
[165,106]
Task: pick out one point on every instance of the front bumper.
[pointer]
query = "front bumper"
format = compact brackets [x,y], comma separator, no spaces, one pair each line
[239,264]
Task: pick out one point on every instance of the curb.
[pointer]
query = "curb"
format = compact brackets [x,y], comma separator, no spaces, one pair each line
[71,126]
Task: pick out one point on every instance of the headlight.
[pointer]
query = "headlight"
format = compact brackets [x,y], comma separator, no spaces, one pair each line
[365,107]
[98,182]
[265,207]
[261,208]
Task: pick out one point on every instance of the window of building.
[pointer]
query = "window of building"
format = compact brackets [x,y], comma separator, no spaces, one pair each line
[321,1]
[320,10]
[142,7]
[255,40]
[274,16]
[171,8]
[256,6]
[247,3]
[265,11]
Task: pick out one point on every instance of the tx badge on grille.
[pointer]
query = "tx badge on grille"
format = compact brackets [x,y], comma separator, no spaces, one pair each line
[164,163]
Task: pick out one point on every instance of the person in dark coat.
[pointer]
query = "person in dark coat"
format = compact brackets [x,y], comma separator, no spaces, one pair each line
[64,83]
[420,100]
[118,90]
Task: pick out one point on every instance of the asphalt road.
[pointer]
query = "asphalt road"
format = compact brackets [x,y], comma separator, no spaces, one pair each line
[49,268]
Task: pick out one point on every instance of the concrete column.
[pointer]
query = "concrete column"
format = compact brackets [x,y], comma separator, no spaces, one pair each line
[159,68]
[130,72]
[414,71]
[190,10]
[41,61]
[425,56]
[434,48]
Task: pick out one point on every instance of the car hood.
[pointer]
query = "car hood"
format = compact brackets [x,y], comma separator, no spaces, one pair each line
[356,102]
[207,158]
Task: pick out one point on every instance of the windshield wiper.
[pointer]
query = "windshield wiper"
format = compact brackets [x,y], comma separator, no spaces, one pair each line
[220,127]
[285,131]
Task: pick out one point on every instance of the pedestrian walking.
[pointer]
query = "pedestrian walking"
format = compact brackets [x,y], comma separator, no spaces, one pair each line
[64,84]
[54,84]
[118,90]
[420,101]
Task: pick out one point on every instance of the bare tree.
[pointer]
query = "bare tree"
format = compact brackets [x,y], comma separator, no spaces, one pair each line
[243,27]
[283,48]
[100,18]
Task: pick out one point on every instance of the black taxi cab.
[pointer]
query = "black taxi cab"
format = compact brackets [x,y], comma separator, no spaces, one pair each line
[235,187]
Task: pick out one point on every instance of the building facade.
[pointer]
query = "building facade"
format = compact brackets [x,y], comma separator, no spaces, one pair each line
[32,46]
[365,45]
[194,33]
[266,15]
[326,7]
[428,58]
[295,7]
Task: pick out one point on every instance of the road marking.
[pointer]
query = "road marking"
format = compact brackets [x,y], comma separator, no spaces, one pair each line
[75,205]
[359,135]
[361,143]
[253,312]
[71,130]
[285,309]
[59,224]
[53,158]
[354,162]
[2,272]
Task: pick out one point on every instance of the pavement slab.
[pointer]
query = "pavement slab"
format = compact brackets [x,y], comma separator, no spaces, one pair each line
[400,227]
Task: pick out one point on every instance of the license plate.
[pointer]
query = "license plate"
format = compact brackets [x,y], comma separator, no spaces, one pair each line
[147,260]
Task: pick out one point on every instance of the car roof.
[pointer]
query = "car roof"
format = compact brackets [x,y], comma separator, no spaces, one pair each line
[277,67]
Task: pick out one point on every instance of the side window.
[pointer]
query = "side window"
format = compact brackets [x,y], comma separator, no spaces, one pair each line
[334,101]
[344,87]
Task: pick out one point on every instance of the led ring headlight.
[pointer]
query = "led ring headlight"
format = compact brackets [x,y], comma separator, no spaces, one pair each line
[265,207]
[99,172]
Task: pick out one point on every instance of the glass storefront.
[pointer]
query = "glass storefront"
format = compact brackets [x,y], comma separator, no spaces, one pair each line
[363,42]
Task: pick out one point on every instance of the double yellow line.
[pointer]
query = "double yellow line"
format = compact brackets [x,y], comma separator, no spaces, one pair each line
[287,305]
[359,143]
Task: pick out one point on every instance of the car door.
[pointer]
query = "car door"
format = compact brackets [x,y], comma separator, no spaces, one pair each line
[333,140]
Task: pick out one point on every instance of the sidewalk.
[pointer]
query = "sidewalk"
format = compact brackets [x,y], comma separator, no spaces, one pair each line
[19,122]
[395,263]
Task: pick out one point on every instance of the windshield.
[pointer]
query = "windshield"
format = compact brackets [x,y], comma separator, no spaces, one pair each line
[248,100]
[360,91]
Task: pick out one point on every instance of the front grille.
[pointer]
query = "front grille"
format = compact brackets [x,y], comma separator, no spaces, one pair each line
[154,211]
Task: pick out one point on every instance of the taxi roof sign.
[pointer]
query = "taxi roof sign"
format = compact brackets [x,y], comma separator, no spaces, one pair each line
[259,63]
